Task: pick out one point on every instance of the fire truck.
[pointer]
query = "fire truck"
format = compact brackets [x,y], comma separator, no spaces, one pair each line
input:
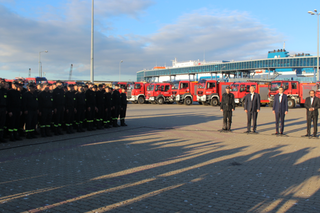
[184,92]
[159,93]
[296,92]
[136,92]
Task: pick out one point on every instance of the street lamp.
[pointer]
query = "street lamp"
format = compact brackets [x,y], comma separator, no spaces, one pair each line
[315,12]
[120,69]
[92,44]
[40,65]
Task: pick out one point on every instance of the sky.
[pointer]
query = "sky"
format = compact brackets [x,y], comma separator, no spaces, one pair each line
[146,33]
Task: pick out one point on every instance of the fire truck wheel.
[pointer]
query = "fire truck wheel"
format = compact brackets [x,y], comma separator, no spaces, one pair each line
[141,100]
[160,101]
[188,101]
[214,102]
[291,103]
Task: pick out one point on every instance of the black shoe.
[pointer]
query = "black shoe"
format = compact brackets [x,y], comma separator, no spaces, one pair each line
[33,135]
[16,136]
[247,132]
[116,125]
[307,135]
[47,131]
[28,135]
[277,133]
[314,136]
[60,131]
[43,134]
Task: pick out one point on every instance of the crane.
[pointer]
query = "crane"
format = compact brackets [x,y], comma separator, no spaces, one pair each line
[70,73]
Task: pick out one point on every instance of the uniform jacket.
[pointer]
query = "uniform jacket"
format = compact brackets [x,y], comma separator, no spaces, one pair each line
[107,100]
[123,100]
[3,98]
[70,99]
[90,98]
[14,100]
[116,98]
[58,98]
[80,100]
[29,102]
[45,100]
[227,103]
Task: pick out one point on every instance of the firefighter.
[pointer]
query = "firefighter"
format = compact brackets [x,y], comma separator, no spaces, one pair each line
[45,110]
[101,106]
[115,111]
[3,108]
[30,109]
[70,108]
[107,101]
[81,108]
[123,107]
[227,106]
[14,111]
[90,106]
[59,107]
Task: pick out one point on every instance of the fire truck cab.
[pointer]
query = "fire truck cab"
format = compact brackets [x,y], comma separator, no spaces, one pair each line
[136,92]
[184,92]
[291,89]
[208,92]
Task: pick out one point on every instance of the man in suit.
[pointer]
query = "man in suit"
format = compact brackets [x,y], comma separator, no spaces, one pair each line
[252,107]
[227,106]
[312,104]
[280,109]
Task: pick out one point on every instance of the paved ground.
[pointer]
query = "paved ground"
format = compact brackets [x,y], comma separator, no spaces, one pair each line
[169,159]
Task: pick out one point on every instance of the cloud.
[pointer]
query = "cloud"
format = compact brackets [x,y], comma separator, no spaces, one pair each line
[221,36]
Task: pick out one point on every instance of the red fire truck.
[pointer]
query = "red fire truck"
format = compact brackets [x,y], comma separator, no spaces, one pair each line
[296,92]
[136,92]
[159,93]
[184,92]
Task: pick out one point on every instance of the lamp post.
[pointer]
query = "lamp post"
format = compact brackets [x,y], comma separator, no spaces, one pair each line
[120,69]
[315,12]
[92,44]
[40,66]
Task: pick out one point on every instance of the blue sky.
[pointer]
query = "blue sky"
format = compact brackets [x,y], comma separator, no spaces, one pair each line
[145,33]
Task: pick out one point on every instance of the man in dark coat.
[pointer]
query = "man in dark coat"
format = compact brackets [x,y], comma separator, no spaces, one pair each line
[107,101]
[123,107]
[3,108]
[70,108]
[280,109]
[14,102]
[115,111]
[30,109]
[252,107]
[101,106]
[91,107]
[227,106]
[45,110]
[312,105]
[59,107]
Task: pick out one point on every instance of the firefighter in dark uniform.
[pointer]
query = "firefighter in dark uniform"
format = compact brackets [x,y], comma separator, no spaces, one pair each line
[14,102]
[101,106]
[70,108]
[123,107]
[115,111]
[3,108]
[30,109]
[81,108]
[59,107]
[107,105]
[90,107]
[45,110]
[227,106]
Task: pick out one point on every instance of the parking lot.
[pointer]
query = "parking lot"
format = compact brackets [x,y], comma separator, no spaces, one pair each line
[170,158]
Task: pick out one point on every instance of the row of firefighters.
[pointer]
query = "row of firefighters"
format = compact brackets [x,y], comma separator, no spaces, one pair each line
[56,108]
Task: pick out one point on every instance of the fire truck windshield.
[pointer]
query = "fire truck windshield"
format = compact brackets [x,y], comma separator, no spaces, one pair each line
[150,88]
[201,85]
[175,86]
[137,86]
[275,86]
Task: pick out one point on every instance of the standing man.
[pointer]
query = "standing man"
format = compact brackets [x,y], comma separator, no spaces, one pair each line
[252,107]
[30,108]
[70,108]
[81,108]
[14,111]
[3,108]
[280,109]
[45,110]
[123,107]
[100,99]
[90,106]
[312,105]
[59,107]
[115,111]
[227,106]
[107,114]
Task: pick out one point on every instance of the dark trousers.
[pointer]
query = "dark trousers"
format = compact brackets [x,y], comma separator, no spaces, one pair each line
[69,116]
[80,116]
[91,114]
[100,114]
[2,118]
[58,117]
[45,118]
[14,121]
[123,112]
[314,118]
[227,118]
[252,116]
[280,116]
[107,115]
[115,113]
[31,120]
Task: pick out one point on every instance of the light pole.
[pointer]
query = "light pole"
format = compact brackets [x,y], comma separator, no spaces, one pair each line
[92,44]
[120,69]
[315,12]
[40,66]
